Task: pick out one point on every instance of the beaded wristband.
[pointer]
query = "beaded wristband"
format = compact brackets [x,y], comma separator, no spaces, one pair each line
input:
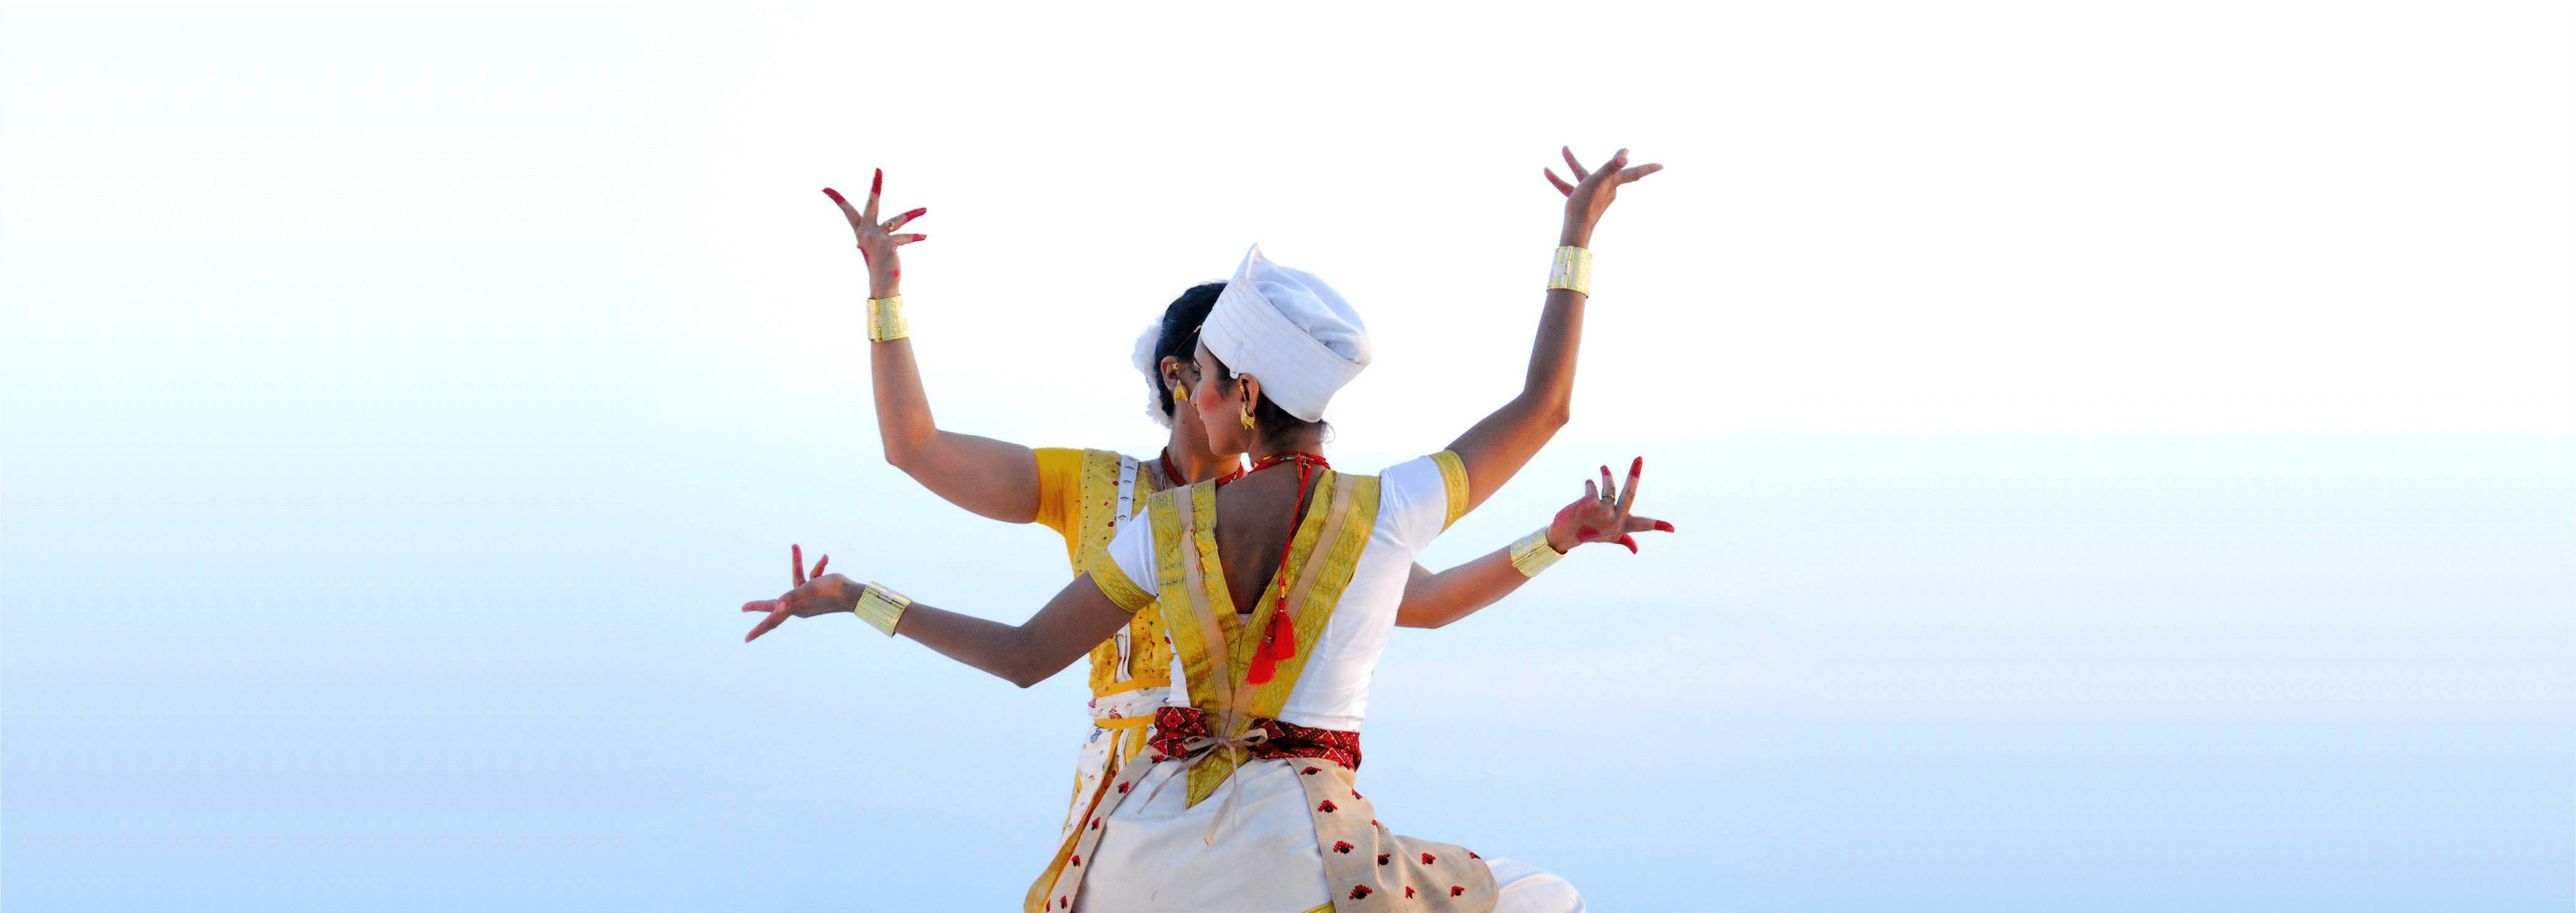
[885,319]
[1572,269]
[881,607]
[1532,554]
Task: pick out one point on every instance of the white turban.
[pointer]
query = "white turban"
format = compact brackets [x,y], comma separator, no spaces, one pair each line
[1290,330]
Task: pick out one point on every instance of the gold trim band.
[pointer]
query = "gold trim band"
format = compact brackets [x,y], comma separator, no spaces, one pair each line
[1571,269]
[885,319]
[881,607]
[1532,554]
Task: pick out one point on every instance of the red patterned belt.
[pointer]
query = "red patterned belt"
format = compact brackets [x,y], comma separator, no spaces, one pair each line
[1174,727]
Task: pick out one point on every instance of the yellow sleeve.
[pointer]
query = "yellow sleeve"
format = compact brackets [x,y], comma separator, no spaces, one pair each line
[1453,478]
[1114,584]
[1059,489]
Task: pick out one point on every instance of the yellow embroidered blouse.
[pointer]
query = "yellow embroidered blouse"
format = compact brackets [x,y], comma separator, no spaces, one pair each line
[1078,497]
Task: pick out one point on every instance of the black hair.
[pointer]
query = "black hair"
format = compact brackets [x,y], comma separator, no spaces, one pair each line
[1180,339]
[1267,418]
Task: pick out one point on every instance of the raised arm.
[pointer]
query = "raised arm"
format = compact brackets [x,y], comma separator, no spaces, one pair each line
[1077,619]
[1601,515]
[1497,447]
[997,479]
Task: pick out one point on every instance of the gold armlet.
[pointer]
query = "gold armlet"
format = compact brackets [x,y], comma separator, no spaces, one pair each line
[885,319]
[882,607]
[1532,554]
[1572,269]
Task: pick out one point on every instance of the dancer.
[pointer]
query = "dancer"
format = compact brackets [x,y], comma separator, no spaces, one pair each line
[1084,494]
[1269,698]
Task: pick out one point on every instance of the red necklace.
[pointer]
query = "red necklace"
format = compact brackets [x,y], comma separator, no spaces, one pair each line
[1279,637]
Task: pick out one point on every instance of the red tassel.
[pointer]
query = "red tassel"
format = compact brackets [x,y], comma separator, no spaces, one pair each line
[1278,643]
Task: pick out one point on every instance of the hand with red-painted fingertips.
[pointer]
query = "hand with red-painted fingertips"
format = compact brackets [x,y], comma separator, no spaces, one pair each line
[1590,193]
[1604,514]
[878,240]
[819,594]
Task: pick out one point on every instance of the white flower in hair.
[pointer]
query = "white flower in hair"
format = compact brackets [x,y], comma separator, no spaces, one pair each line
[1146,362]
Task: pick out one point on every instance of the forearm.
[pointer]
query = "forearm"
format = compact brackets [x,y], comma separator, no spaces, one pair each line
[982,643]
[1433,600]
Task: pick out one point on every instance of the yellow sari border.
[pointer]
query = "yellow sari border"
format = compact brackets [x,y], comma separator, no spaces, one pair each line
[1453,479]
[1114,584]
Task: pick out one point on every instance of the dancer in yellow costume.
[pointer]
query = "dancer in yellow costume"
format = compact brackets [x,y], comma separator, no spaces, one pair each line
[1084,494]
[1279,591]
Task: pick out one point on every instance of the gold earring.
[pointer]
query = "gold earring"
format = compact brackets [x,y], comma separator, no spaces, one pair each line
[1247,417]
[1180,393]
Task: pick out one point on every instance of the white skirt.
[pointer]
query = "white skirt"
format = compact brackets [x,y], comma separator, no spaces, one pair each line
[1153,854]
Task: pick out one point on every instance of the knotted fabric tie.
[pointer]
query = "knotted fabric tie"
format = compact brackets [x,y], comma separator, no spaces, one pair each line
[1182,734]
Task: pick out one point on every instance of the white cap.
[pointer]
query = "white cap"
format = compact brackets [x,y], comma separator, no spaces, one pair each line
[1290,330]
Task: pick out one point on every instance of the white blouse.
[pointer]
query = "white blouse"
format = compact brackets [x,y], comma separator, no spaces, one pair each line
[1414,505]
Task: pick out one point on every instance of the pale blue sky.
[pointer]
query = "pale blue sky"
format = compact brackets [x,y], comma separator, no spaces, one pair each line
[2125,460]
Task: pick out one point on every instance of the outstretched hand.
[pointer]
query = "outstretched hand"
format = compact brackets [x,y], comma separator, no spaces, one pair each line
[823,594]
[1601,515]
[877,241]
[1591,192]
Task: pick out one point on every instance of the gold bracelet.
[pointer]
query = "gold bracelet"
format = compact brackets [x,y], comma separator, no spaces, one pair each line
[1532,554]
[1572,269]
[885,319]
[881,607]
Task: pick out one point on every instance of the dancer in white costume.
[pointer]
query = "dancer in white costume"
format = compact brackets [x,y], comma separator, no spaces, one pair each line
[1278,592]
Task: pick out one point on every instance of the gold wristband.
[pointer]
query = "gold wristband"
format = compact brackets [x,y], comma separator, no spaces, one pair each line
[1572,269]
[885,319]
[1532,554]
[881,607]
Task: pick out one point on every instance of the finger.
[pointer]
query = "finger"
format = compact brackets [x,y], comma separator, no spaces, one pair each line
[1629,495]
[901,240]
[766,624]
[1630,542]
[1561,185]
[1590,493]
[818,564]
[898,221]
[796,562]
[876,185]
[1648,524]
[1630,174]
[1579,172]
[1609,489]
[762,605]
[843,202]
[1609,171]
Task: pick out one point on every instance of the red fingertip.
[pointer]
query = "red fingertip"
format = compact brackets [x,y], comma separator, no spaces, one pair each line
[1661,526]
[796,561]
[1637,467]
[876,183]
[835,195]
[1630,542]
[819,563]
[915,214]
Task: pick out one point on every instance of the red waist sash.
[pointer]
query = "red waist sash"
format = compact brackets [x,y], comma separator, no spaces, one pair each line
[1174,727]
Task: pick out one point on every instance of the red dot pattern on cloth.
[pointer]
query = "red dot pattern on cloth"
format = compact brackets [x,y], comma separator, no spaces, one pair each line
[1471,854]
[1383,857]
[1455,890]
[1408,893]
[1358,891]
[1326,807]
[1428,859]
[1077,860]
[1341,846]
[1355,794]
[1312,770]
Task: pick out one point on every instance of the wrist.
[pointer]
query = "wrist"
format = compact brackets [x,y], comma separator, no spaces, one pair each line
[1562,540]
